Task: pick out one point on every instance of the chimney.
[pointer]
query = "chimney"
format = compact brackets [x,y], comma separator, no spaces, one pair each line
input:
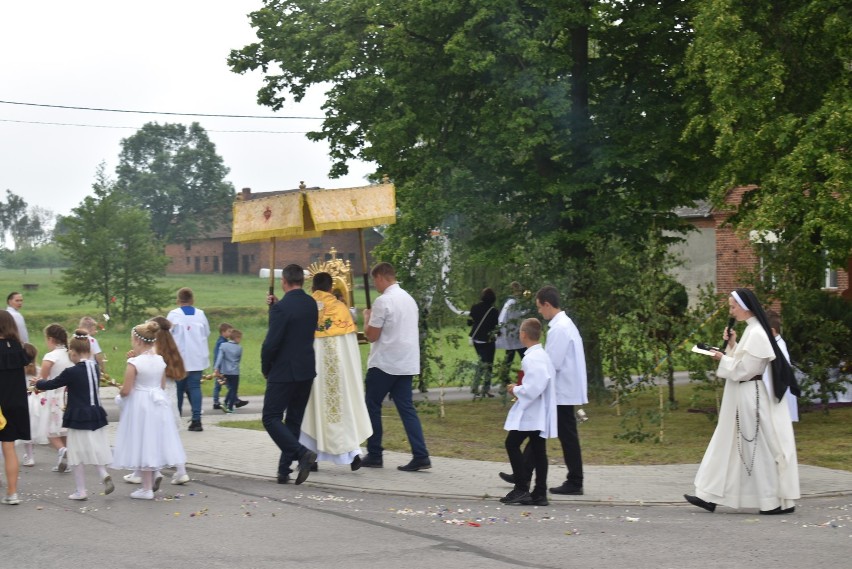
[246,194]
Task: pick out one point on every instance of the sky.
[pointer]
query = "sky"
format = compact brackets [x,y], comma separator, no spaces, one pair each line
[164,56]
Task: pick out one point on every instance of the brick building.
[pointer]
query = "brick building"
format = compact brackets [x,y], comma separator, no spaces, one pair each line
[216,254]
[714,253]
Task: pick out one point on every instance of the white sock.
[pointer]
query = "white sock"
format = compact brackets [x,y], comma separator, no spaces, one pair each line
[102,471]
[180,470]
[147,480]
[80,479]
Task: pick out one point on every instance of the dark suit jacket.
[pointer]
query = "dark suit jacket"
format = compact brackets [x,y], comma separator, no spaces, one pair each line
[288,350]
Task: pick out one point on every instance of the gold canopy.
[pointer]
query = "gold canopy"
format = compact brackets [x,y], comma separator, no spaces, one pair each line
[308,213]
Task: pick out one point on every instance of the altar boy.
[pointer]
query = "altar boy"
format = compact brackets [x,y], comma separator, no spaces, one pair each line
[533,417]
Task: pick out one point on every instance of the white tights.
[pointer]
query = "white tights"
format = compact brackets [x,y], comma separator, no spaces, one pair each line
[80,476]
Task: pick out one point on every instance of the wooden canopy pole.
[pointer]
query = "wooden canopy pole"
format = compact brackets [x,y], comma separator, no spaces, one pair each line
[364,265]
[272,267]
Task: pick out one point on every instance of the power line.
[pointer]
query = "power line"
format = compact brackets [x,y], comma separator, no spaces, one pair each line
[137,128]
[156,112]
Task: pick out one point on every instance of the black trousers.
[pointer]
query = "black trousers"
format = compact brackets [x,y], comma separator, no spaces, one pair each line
[566,425]
[533,457]
[291,397]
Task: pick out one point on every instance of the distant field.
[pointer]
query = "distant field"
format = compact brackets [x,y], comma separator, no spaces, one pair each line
[236,299]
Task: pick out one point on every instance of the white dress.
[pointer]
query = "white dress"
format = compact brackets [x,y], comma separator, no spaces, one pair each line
[50,415]
[741,469]
[147,437]
[336,420]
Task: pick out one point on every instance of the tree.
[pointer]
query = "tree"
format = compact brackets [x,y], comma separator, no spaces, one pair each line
[493,111]
[500,122]
[173,171]
[778,113]
[114,257]
[28,226]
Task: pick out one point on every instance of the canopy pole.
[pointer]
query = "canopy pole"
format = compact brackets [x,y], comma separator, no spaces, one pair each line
[364,265]
[272,267]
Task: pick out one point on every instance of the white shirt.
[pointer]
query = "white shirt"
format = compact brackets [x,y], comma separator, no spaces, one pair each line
[508,325]
[19,322]
[191,332]
[95,347]
[397,351]
[535,409]
[565,348]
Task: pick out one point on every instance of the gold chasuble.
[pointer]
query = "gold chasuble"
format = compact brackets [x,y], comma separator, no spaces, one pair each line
[334,317]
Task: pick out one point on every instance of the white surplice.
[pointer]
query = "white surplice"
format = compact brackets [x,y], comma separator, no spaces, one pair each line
[737,473]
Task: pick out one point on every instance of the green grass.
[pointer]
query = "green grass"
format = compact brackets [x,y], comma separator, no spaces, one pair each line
[474,430]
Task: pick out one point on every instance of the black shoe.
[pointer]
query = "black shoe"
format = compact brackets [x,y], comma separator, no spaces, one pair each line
[515,497]
[372,462]
[241,403]
[696,501]
[535,500]
[489,395]
[308,459]
[283,478]
[416,464]
[508,478]
[355,464]
[776,512]
[217,406]
[568,489]
[195,426]
[315,467]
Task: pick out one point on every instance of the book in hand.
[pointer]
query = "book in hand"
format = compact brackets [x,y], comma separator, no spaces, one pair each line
[706,349]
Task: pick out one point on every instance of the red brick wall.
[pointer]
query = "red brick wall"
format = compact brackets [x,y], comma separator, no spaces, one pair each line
[734,255]
[251,257]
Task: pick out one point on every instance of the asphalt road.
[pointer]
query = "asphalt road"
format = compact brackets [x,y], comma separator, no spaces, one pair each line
[228,521]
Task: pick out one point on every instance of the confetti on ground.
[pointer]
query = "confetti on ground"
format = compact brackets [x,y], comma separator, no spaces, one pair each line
[199,513]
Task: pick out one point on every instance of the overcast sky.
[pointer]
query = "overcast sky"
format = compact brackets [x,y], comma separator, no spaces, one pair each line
[166,56]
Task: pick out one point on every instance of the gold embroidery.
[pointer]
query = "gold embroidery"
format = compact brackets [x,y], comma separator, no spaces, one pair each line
[331,378]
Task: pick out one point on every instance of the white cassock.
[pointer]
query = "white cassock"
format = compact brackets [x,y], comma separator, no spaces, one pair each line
[535,409]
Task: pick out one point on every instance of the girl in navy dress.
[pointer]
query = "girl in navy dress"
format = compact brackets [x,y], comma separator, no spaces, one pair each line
[84,417]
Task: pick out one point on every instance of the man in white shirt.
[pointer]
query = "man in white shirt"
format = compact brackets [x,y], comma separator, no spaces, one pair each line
[565,348]
[190,330]
[391,327]
[14,302]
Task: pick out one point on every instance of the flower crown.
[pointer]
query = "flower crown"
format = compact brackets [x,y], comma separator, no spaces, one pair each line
[143,338]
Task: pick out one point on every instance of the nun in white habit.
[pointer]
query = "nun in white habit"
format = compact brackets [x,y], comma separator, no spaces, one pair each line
[751,460]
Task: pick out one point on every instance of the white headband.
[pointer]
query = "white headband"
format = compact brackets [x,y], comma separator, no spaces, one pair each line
[739,300]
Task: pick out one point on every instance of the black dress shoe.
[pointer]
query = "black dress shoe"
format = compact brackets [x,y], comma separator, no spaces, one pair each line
[217,406]
[509,478]
[696,501]
[241,403]
[372,462]
[195,426]
[315,467]
[777,511]
[355,464]
[568,489]
[515,497]
[535,500]
[308,459]
[416,464]
[283,478]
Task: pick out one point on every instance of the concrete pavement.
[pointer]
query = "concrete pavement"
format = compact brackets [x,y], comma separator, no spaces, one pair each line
[244,452]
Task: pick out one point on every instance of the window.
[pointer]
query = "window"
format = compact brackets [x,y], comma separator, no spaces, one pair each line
[188,261]
[206,259]
[830,278]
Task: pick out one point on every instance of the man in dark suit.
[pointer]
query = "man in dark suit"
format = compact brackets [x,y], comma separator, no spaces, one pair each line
[287,362]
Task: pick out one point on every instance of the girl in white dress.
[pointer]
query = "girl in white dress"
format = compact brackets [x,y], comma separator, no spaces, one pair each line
[147,438]
[34,400]
[175,371]
[84,417]
[50,419]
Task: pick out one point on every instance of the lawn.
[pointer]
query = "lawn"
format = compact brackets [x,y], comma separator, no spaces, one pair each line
[474,430]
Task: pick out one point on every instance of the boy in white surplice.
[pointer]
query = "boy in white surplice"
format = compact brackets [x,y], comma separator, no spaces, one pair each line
[533,417]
